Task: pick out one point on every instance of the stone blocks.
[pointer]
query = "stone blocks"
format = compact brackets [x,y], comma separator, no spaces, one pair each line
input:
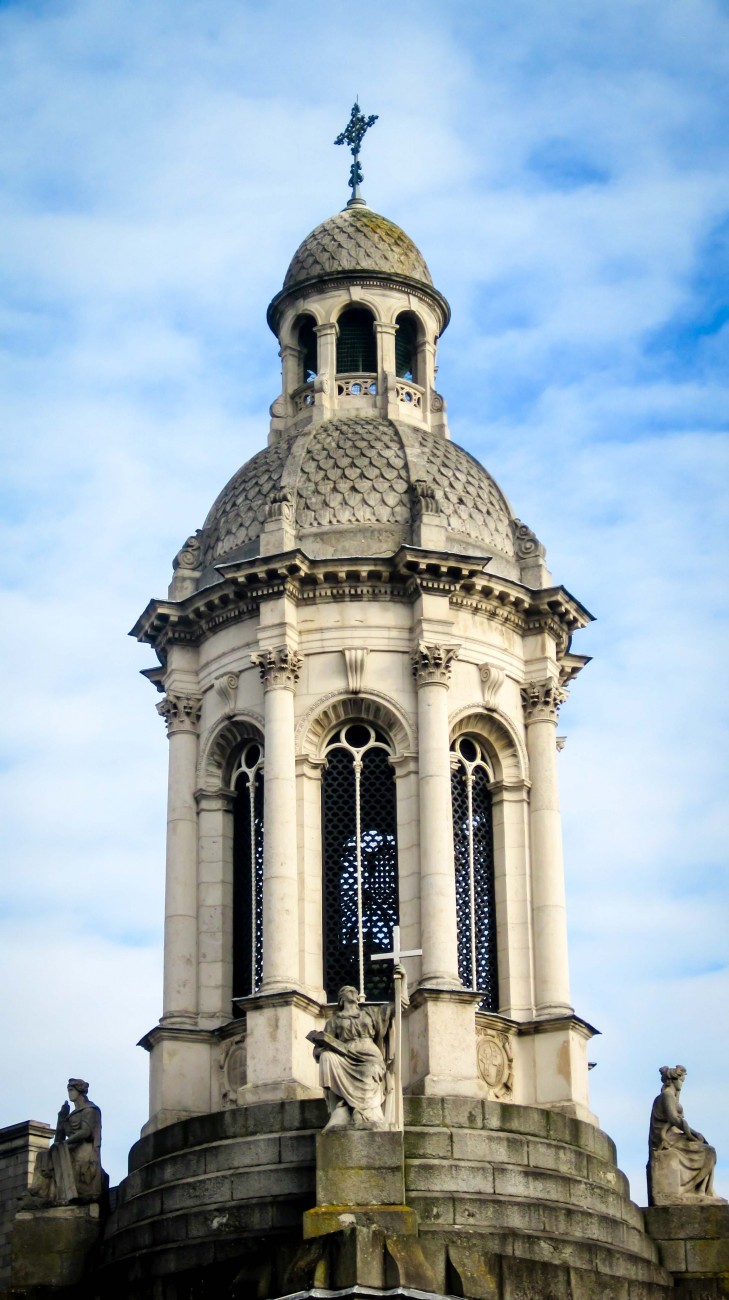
[362,1167]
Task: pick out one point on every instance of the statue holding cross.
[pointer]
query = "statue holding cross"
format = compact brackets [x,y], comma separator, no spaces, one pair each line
[360,1054]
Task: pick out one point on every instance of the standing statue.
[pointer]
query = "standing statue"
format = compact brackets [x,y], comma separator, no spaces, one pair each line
[680,1160]
[70,1172]
[355,1052]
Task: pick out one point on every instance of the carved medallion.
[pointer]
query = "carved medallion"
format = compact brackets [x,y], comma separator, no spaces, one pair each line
[495,1064]
[233,1063]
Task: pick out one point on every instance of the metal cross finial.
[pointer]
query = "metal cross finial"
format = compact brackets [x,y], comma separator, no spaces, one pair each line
[352,135]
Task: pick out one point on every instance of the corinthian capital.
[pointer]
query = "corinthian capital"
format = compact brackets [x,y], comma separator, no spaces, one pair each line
[433,663]
[541,700]
[279,667]
[180,712]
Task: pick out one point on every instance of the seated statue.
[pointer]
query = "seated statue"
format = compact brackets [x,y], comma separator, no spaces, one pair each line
[680,1160]
[355,1054]
[69,1172]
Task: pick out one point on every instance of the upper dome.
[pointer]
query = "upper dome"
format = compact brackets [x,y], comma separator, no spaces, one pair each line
[356,239]
[352,485]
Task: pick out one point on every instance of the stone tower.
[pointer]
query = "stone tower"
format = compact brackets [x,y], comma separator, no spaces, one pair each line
[363,581]
[361,659]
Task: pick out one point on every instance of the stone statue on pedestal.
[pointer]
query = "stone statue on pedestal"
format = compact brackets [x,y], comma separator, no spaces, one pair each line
[680,1160]
[69,1172]
[356,1055]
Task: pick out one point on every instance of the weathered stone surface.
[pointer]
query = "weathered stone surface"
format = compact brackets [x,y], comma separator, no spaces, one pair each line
[50,1247]
[359,1167]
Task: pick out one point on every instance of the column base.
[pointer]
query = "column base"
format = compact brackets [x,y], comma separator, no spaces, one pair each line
[180,1070]
[551,1065]
[441,1037]
[280,1063]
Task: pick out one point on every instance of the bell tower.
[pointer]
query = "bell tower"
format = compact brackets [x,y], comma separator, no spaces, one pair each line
[362,657]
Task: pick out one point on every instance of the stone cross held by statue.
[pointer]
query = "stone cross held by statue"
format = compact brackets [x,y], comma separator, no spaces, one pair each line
[396,957]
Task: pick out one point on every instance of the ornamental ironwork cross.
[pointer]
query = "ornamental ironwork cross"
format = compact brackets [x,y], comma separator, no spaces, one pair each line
[396,957]
[352,135]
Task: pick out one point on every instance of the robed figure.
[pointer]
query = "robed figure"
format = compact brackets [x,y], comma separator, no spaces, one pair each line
[70,1170]
[680,1160]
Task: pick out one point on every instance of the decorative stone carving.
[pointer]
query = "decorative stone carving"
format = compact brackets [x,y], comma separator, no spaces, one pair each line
[527,545]
[355,660]
[426,500]
[680,1160]
[355,1055]
[180,712]
[234,1065]
[69,1172]
[279,667]
[495,1061]
[542,701]
[281,506]
[433,663]
[561,741]
[227,688]
[277,409]
[437,402]
[189,556]
[492,679]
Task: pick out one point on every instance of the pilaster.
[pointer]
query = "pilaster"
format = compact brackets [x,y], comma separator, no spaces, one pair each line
[181,711]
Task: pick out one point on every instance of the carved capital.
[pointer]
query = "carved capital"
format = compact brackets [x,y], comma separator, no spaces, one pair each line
[180,712]
[278,668]
[542,700]
[433,663]
[492,679]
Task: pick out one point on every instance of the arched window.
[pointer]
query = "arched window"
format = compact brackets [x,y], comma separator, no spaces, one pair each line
[248,872]
[360,860]
[356,348]
[406,346]
[308,349]
[473,846]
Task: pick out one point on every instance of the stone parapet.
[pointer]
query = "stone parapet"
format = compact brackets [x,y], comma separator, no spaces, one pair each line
[693,1243]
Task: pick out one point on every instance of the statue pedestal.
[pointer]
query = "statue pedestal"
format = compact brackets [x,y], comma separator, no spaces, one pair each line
[49,1248]
[360,1167]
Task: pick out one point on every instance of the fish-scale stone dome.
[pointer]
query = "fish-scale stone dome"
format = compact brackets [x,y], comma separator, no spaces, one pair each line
[352,482]
[356,240]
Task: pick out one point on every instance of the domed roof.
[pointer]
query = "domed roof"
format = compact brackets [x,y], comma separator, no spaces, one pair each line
[352,484]
[356,239]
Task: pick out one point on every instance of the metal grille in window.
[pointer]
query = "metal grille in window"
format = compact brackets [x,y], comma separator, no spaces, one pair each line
[405,347]
[473,844]
[307,344]
[248,873]
[359,822]
[356,349]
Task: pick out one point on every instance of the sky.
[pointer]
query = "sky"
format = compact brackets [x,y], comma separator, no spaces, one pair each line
[565,171]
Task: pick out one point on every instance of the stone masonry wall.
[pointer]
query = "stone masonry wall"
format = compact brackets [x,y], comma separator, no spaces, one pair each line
[19,1144]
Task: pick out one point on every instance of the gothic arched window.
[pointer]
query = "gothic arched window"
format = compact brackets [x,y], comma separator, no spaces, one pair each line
[473,851]
[356,347]
[359,823]
[248,872]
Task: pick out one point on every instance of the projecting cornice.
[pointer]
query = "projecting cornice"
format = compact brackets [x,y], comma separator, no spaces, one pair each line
[404,576]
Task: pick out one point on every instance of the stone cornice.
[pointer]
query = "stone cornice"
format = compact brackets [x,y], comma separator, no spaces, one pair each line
[321,284]
[246,584]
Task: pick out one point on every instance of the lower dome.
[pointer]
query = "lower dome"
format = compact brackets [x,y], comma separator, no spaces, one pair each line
[354,481]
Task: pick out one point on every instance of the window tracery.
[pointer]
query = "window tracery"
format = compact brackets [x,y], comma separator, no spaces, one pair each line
[359,825]
[473,852]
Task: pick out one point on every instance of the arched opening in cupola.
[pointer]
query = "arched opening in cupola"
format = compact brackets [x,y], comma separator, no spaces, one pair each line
[356,344]
[307,342]
[473,852]
[406,346]
[247,872]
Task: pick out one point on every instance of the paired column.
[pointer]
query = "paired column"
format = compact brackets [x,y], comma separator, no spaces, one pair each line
[279,671]
[541,701]
[182,715]
[432,671]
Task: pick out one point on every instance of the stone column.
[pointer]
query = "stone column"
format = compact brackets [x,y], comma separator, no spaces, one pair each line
[182,715]
[215,904]
[439,933]
[279,671]
[541,702]
[290,356]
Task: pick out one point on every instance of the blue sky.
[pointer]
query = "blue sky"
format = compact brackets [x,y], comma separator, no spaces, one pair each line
[564,170]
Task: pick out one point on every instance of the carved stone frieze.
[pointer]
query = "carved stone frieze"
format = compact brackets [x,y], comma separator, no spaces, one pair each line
[542,700]
[227,688]
[495,1061]
[355,660]
[181,712]
[433,663]
[492,679]
[278,668]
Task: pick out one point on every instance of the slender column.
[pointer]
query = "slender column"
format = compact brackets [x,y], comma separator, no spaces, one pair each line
[182,715]
[439,933]
[290,368]
[541,702]
[327,348]
[279,671]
